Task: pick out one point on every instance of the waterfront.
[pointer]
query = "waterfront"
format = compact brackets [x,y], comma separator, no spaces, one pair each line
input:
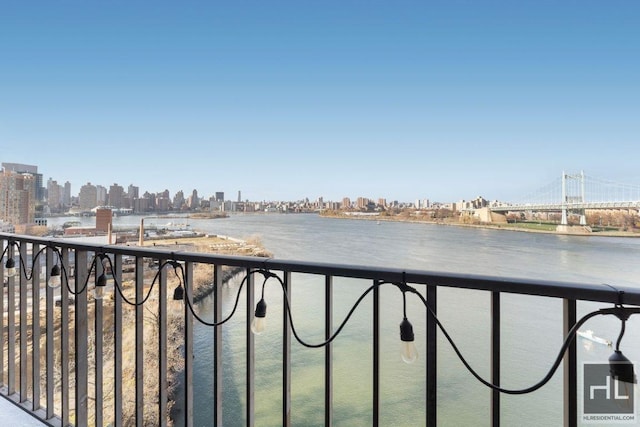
[531,332]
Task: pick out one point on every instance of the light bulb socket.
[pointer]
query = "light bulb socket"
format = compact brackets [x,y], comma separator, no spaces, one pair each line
[55,271]
[10,263]
[406,330]
[621,368]
[102,280]
[261,308]
[178,293]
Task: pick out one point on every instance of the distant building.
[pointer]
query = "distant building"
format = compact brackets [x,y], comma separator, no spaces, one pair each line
[422,204]
[220,196]
[101,195]
[38,188]
[215,205]
[193,201]
[363,203]
[54,196]
[17,197]
[163,204]
[66,196]
[141,205]
[88,197]
[133,192]
[178,200]
[116,196]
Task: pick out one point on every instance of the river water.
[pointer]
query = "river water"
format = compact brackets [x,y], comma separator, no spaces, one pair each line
[531,328]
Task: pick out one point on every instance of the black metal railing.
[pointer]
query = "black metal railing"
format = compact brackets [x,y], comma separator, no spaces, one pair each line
[73,359]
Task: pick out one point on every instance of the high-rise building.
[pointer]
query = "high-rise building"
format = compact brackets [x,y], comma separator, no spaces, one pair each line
[133,192]
[239,197]
[178,200]
[66,198]
[17,197]
[101,195]
[88,197]
[362,202]
[141,205]
[163,204]
[193,200]
[116,195]
[39,191]
[54,195]
[219,196]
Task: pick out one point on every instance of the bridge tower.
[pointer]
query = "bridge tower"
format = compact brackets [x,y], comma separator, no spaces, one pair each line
[572,192]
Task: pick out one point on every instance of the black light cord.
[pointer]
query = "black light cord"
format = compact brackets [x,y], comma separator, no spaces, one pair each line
[302,342]
[619,311]
[21,259]
[33,262]
[622,329]
[118,285]
[63,268]
[267,275]
[6,248]
[235,305]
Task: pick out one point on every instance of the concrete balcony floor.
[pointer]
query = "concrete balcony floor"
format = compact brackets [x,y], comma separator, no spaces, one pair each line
[11,415]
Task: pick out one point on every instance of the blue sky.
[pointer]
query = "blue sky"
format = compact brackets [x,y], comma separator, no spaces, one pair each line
[291,99]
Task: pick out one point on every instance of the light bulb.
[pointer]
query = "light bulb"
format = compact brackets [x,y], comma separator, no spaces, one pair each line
[98,292]
[101,283]
[409,352]
[54,277]
[11,267]
[259,323]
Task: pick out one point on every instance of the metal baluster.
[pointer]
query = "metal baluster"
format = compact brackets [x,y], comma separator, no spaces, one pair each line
[250,353]
[286,355]
[328,351]
[570,366]
[495,357]
[432,361]
[81,340]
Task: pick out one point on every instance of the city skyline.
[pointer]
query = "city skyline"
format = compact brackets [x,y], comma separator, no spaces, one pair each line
[288,101]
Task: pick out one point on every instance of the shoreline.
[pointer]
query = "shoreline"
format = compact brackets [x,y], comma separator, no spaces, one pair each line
[501,227]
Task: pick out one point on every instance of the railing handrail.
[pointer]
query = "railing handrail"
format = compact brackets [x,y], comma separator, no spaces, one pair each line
[607,293]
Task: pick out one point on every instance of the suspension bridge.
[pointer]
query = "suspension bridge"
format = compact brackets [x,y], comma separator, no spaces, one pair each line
[577,192]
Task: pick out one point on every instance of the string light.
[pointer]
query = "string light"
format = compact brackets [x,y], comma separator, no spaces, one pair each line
[620,367]
[12,270]
[99,289]
[259,323]
[10,265]
[55,276]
